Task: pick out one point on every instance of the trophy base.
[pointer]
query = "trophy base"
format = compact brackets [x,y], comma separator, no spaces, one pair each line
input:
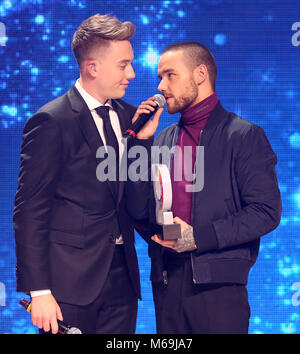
[167,232]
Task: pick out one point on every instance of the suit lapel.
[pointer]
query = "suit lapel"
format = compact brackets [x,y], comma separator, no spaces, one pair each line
[124,120]
[88,127]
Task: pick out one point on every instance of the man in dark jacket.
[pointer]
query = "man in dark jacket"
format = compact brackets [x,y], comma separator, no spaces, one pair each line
[199,280]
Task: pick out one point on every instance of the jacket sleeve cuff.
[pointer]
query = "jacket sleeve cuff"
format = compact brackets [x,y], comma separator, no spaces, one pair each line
[205,238]
[147,143]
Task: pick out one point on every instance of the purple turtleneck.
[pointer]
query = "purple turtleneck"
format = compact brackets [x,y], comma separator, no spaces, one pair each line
[192,122]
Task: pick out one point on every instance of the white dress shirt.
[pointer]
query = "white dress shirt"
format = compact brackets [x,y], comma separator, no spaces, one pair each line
[92,104]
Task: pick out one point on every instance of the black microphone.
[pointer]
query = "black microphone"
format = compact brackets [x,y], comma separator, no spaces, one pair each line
[132,131]
[63,328]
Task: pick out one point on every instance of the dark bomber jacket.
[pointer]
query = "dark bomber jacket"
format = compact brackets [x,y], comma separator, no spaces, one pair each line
[240,200]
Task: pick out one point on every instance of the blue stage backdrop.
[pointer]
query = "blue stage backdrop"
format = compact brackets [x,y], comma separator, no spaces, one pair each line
[257,48]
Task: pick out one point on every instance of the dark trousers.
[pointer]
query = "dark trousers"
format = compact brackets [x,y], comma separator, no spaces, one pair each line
[115,309]
[183,307]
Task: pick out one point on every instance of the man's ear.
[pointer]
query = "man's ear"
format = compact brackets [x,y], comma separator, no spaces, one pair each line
[91,68]
[200,74]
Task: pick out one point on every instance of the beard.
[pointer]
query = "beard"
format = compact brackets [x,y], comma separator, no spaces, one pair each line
[185,101]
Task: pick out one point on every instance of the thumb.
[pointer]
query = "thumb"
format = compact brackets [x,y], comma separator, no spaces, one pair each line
[134,118]
[177,220]
[158,114]
[59,314]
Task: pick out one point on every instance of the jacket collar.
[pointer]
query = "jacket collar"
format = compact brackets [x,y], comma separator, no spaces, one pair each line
[216,117]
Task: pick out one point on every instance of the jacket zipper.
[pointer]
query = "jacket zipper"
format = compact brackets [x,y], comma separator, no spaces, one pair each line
[165,274]
[173,141]
[192,216]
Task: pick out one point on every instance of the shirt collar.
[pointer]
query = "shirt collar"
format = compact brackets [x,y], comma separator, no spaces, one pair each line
[91,102]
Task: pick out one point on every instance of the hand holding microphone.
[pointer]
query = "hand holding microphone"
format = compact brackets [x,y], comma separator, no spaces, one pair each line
[142,127]
[62,327]
[45,312]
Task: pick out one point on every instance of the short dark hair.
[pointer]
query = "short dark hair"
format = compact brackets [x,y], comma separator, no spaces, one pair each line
[98,30]
[197,54]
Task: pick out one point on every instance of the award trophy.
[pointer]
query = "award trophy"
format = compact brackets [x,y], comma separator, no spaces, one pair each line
[163,198]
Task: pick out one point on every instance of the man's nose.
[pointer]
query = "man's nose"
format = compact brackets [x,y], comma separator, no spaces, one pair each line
[161,86]
[130,73]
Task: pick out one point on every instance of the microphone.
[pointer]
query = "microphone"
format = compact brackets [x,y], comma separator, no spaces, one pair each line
[132,131]
[63,328]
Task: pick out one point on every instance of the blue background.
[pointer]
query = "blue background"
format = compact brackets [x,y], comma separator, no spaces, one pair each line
[259,76]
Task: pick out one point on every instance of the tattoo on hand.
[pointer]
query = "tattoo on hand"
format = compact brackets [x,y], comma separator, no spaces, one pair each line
[186,242]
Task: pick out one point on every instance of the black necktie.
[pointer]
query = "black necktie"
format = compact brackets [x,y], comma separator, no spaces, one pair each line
[110,136]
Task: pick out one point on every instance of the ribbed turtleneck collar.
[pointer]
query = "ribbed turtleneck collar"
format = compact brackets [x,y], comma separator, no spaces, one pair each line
[200,111]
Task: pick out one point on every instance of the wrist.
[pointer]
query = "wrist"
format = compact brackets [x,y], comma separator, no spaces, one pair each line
[142,136]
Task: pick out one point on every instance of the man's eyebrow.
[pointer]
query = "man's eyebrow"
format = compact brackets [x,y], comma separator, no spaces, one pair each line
[125,61]
[167,71]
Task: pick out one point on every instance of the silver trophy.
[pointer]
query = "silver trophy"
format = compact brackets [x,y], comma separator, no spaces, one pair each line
[162,186]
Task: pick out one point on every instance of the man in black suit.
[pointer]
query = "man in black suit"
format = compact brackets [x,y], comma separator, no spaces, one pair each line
[74,238]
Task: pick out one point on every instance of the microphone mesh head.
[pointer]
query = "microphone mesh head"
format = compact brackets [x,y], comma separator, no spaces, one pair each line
[160,100]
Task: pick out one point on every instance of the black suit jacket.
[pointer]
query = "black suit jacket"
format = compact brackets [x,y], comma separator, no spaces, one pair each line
[65,220]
